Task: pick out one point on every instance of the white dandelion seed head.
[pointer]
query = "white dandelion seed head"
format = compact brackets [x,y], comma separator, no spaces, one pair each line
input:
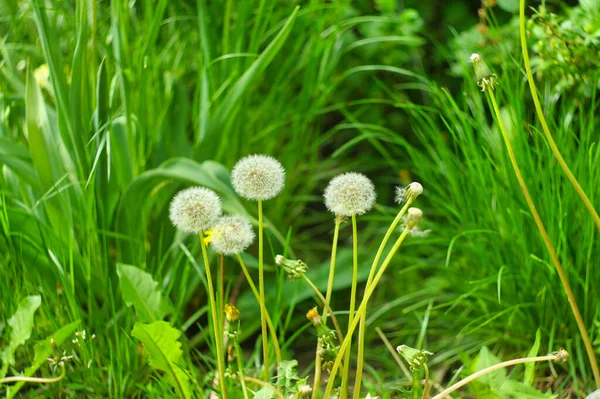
[258,177]
[475,57]
[412,191]
[195,209]
[231,235]
[350,194]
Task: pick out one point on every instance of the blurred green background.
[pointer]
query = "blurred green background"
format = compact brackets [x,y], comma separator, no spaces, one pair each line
[108,108]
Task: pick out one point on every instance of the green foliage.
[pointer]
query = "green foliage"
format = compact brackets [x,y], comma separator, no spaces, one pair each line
[163,350]
[142,292]
[499,385]
[21,324]
[43,349]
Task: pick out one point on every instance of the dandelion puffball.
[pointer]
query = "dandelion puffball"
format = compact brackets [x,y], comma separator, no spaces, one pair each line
[258,177]
[195,209]
[412,191]
[349,194]
[231,235]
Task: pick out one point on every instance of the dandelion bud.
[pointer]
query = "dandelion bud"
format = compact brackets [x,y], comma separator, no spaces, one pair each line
[412,218]
[350,194]
[195,209]
[231,313]
[258,177]
[304,390]
[314,316]
[561,356]
[231,235]
[410,192]
[414,357]
[294,268]
[485,78]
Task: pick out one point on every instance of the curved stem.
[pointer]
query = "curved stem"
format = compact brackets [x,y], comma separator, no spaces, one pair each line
[426,383]
[261,287]
[361,309]
[540,225]
[34,379]
[215,321]
[336,234]
[363,317]
[490,369]
[267,317]
[346,369]
[326,305]
[540,113]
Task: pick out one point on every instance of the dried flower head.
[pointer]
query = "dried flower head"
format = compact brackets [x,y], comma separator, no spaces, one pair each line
[314,316]
[231,235]
[258,177]
[412,217]
[294,268]
[350,194]
[304,390]
[195,209]
[561,355]
[485,78]
[231,313]
[410,192]
[414,357]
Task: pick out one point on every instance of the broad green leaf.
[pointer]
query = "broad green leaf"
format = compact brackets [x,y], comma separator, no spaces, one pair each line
[43,350]
[21,324]
[592,6]
[530,367]
[287,376]
[520,390]
[141,291]
[163,349]
[495,379]
[265,393]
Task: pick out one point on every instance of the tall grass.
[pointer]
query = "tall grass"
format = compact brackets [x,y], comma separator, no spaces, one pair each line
[143,98]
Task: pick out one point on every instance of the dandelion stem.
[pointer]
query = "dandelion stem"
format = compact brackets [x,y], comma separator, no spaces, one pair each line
[426,383]
[238,354]
[336,234]
[215,321]
[327,308]
[490,369]
[549,138]
[363,318]
[221,288]
[346,369]
[34,379]
[362,309]
[267,317]
[540,225]
[261,287]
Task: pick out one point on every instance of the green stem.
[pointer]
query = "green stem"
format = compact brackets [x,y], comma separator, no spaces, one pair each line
[362,309]
[336,234]
[546,130]
[215,321]
[346,369]
[363,317]
[327,308]
[540,225]
[261,287]
[238,354]
[267,317]
[34,379]
[426,384]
